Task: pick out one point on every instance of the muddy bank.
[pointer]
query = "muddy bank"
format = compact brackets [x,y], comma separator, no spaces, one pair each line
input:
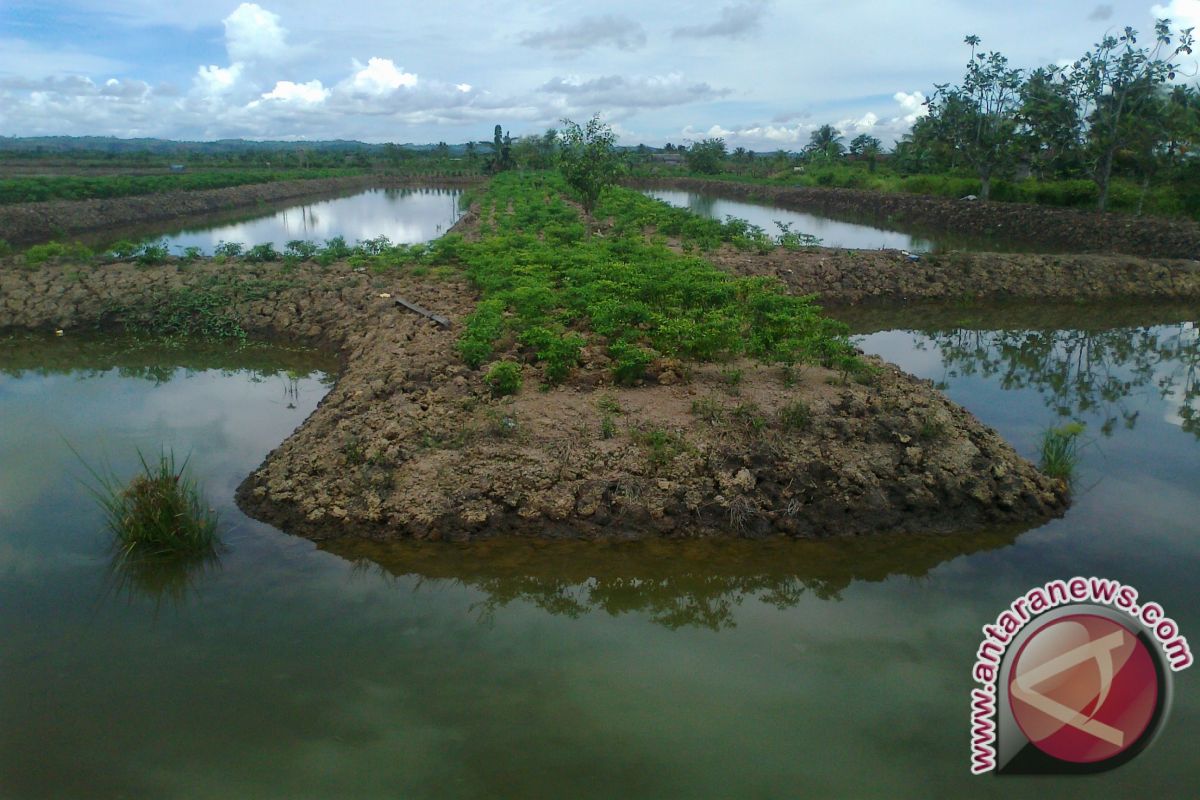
[410,443]
[1057,229]
[34,222]
[847,277]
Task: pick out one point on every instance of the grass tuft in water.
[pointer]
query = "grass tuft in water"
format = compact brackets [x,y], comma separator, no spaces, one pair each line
[1060,451]
[160,513]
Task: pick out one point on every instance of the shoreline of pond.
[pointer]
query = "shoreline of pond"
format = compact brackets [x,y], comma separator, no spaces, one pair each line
[410,442]
[1064,230]
[30,223]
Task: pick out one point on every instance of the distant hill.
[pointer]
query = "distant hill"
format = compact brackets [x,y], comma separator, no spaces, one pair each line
[110,144]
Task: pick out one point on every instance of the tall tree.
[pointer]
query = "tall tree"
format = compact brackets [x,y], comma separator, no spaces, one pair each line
[826,142]
[1049,127]
[866,146]
[1115,82]
[979,116]
[706,156]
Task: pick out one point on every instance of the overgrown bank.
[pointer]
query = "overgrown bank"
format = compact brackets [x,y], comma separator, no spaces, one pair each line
[1058,229]
[787,434]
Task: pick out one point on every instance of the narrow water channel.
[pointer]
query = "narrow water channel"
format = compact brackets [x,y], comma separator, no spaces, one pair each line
[656,669]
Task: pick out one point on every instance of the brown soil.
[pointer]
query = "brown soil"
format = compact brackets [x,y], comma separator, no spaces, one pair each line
[410,442]
[35,222]
[1050,228]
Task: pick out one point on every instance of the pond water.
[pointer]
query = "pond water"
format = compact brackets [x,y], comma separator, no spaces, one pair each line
[831,232]
[657,669]
[405,216]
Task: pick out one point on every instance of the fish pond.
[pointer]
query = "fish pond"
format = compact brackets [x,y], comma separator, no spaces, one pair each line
[861,234]
[560,669]
[404,216]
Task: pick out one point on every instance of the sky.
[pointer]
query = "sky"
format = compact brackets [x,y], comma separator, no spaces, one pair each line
[762,74]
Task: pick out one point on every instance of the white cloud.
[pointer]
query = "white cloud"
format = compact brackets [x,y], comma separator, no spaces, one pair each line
[213,80]
[254,34]
[912,104]
[309,93]
[463,87]
[1182,13]
[381,76]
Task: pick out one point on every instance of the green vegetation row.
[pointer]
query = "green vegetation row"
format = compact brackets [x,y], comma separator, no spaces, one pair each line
[550,288]
[41,188]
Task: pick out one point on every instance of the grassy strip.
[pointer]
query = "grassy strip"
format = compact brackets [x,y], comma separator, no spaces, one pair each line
[42,188]
[550,289]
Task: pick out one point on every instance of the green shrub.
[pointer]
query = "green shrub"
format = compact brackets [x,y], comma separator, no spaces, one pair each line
[629,361]
[261,253]
[504,378]
[228,249]
[153,253]
[56,252]
[301,249]
[5,249]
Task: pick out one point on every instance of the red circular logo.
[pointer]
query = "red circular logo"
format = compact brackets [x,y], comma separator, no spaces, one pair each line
[1083,688]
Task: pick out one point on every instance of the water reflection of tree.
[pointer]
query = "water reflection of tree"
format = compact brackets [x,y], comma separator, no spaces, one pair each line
[1083,372]
[673,583]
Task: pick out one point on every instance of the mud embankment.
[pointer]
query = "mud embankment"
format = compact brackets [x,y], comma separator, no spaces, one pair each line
[1058,229]
[27,223]
[849,277]
[410,443]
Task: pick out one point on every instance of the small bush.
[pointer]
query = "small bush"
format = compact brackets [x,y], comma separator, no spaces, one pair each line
[300,249]
[608,427]
[629,361]
[153,253]
[190,254]
[795,416]
[41,253]
[262,253]
[228,249]
[504,378]
[5,249]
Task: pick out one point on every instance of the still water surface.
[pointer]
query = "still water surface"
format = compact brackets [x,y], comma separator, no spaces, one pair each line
[831,232]
[405,216]
[540,669]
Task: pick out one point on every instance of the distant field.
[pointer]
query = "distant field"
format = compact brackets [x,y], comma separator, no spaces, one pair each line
[40,188]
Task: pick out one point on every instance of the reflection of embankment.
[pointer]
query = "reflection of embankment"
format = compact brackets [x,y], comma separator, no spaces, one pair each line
[677,584]
[147,359]
[1051,228]
[1082,361]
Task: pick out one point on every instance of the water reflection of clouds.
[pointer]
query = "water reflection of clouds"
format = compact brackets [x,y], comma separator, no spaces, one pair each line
[404,217]
[833,233]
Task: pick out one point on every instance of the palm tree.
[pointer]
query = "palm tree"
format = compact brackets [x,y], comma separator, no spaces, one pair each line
[826,141]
